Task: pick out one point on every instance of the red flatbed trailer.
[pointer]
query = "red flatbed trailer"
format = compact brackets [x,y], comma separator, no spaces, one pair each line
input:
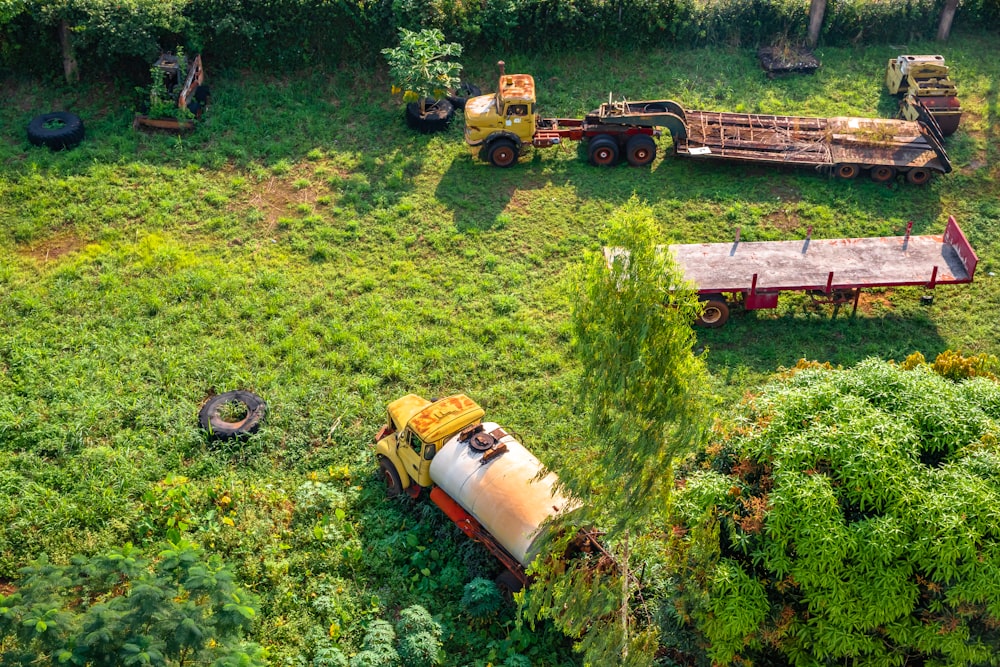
[831,270]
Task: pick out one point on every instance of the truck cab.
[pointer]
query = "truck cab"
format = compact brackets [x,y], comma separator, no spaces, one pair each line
[497,124]
[414,432]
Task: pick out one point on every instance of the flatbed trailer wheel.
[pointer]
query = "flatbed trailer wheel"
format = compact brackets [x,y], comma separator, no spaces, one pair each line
[883,173]
[603,151]
[918,176]
[393,485]
[502,153]
[716,313]
[846,171]
[640,150]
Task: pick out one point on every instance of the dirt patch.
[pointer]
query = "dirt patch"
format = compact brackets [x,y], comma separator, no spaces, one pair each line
[868,300]
[53,248]
[786,221]
[6,587]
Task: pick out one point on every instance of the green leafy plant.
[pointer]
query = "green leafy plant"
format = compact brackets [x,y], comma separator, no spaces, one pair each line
[421,66]
[481,598]
[122,609]
[847,518]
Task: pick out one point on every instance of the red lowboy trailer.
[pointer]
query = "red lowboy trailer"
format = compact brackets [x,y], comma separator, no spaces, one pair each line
[835,271]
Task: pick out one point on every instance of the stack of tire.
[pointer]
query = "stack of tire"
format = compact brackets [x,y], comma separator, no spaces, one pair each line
[58,130]
[437,114]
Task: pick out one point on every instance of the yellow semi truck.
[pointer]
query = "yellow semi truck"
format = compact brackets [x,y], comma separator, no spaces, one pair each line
[498,126]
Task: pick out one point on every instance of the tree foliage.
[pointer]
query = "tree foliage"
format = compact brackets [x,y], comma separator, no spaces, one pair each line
[848,515]
[642,387]
[421,66]
[122,609]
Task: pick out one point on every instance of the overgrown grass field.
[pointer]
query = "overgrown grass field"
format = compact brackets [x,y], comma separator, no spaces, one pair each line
[304,244]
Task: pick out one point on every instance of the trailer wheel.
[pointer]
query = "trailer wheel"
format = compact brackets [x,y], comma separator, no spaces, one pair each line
[393,485]
[883,173]
[502,153]
[918,176]
[640,150]
[716,314]
[603,151]
[846,171]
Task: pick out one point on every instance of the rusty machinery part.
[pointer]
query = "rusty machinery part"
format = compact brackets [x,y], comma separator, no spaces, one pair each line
[715,314]
[835,297]
[387,471]
[219,427]
[464,91]
[482,442]
[501,152]
[846,171]
[640,150]
[436,117]
[603,151]
[918,176]
[57,130]
[882,173]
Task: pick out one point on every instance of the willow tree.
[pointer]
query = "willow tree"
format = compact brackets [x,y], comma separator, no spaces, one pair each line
[642,387]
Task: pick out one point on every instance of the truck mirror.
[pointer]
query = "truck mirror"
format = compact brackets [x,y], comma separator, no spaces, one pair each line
[429,451]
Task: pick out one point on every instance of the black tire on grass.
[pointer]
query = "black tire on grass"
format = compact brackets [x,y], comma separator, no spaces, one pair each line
[57,130]
[436,119]
[389,475]
[464,91]
[221,429]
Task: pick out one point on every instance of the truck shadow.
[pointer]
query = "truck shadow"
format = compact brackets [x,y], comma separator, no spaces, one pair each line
[766,198]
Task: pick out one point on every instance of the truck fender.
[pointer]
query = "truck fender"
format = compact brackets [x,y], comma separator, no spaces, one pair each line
[384,451]
[503,135]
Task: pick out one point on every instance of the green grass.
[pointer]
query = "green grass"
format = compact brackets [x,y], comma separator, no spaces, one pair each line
[302,243]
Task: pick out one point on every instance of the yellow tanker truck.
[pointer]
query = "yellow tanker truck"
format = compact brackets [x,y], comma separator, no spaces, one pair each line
[477,472]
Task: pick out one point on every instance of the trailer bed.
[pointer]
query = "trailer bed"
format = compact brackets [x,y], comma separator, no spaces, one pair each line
[825,264]
[807,141]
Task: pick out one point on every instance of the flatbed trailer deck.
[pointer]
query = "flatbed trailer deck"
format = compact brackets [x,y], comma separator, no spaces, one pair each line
[832,270]
[844,146]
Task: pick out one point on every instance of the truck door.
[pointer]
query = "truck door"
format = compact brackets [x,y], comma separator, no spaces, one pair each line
[519,120]
[408,447]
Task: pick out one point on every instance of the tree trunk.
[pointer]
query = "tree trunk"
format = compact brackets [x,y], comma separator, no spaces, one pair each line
[70,68]
[947,16]
[816,10]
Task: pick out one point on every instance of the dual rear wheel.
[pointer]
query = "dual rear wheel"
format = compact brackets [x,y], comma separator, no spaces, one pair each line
[605,151]
[883,173]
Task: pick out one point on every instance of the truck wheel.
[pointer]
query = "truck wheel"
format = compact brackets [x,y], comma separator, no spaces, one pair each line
[846,171]
[918,176]
[437,116]
[716,314]
[883,173]
[603,151]
[218,425]
[640,150]
[393,486]
[57,130]
[502,153]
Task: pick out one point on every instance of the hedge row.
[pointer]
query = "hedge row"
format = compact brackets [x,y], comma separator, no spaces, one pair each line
[291,33]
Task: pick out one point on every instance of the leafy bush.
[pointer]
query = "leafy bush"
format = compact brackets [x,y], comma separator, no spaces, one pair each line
[419,649]
[417,619]
[119,608]
[848,515]
[481,598]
